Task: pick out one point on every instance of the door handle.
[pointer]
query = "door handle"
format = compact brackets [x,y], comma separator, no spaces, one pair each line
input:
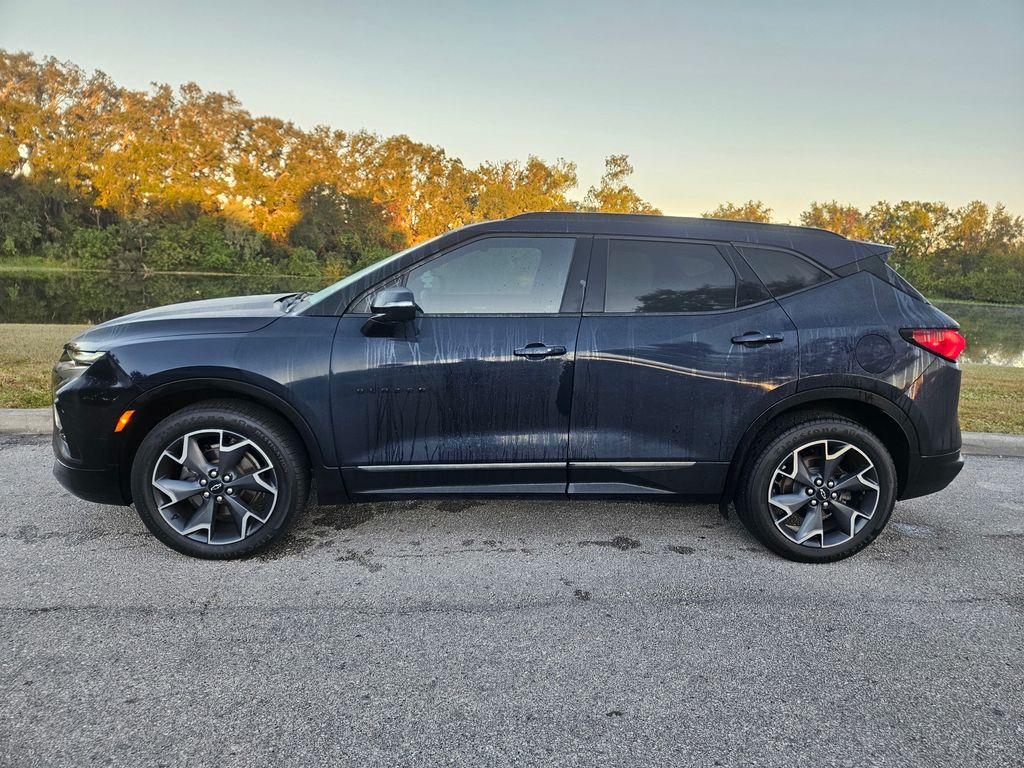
[757,339]
[537,350]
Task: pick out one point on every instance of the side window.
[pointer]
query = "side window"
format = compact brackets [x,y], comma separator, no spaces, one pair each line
[749,290]
[657,276]
[896,279]
[514,275]
[781,271]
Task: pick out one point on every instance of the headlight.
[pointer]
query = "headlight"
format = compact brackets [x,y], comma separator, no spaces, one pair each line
[74,361]
[79,356]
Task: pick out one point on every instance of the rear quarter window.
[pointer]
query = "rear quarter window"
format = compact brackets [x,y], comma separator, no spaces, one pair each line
[896,279]
[783,272]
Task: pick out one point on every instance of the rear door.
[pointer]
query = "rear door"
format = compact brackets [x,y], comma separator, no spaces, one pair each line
[474,396]
[680,348]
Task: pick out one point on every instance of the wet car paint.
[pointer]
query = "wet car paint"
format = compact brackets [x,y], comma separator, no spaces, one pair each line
[834,318]
[450,390]
[443,392]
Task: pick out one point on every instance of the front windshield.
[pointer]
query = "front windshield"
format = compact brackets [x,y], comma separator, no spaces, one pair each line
[348,280]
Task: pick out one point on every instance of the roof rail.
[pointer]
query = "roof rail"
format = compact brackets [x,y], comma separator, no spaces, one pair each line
[703,220]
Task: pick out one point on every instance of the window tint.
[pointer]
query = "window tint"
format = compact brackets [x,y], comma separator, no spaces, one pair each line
[652,276]
[516,275]
[896,279]
[783,272]
[749,290]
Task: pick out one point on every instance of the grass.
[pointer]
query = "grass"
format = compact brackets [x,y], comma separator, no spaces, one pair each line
[943,300]
[27,353]
[29,263]
[991,400]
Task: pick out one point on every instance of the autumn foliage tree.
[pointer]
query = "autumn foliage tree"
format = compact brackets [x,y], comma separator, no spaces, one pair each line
[975,251]
[101,174]
[846,220]
[752,210]
[613,195]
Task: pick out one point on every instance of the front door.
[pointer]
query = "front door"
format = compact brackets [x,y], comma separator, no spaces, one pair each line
[474,396]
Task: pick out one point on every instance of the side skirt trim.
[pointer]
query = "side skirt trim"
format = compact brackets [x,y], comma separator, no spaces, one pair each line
[631,464]
[446,467]
[527,465]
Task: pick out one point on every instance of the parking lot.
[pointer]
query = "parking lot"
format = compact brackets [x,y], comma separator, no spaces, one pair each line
[511,633]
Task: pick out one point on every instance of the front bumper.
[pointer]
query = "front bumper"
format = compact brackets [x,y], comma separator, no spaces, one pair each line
[102,486]
[98,482]
[928,474]
[87,403]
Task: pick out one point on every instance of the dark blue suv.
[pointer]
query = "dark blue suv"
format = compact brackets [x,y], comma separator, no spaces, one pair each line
[788,370]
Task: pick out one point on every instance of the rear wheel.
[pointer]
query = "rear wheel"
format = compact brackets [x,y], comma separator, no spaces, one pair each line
[818,489]
[220,479]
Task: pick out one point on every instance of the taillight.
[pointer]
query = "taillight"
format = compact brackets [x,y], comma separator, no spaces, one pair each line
[944,342]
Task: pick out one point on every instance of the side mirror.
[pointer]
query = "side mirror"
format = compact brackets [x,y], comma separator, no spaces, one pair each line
[392,306]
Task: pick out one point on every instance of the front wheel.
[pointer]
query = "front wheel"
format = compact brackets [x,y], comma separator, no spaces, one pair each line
[817,490]
[219,479]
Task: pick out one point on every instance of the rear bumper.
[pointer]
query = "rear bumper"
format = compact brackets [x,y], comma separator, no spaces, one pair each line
[928,474]
[102,486]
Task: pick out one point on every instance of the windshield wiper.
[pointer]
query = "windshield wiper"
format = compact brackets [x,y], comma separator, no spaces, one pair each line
[290,301]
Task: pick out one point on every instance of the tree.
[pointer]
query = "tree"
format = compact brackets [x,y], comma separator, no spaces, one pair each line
[846,220]
[508,188]
[613,195]
[973,234]
[752,210]
[975,228]
[913,227]
[20,219]
[343,228]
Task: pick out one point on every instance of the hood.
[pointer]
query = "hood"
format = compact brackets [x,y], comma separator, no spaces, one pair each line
[233,314]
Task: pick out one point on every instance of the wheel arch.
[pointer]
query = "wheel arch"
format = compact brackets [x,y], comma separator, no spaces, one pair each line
[156,404]
[878,414]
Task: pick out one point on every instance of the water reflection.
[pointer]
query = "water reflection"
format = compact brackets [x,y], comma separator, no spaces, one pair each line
[993,333]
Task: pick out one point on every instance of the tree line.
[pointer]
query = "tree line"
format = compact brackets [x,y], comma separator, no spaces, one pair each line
[93,174]
[975,252]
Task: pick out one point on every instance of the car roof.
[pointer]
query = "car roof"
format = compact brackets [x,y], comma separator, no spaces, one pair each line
[828,248]
[628,221]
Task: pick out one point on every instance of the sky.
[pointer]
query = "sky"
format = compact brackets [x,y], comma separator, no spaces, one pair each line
[784,101]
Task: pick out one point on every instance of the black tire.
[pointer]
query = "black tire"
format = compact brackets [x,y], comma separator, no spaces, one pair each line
[768,455]
[271,439]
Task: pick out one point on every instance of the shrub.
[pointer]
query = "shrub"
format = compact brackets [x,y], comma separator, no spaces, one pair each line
[300,261]
[92,248]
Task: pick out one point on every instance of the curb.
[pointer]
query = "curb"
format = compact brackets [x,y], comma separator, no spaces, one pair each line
[38,421]
[993,444]
[26,421]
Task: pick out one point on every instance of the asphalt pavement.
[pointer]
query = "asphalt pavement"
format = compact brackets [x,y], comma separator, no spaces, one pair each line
[511,633]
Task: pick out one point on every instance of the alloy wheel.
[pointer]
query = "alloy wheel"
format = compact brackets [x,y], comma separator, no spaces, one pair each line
[215,486]
[823,493]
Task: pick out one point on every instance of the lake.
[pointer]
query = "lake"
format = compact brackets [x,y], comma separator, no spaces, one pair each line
[993,333]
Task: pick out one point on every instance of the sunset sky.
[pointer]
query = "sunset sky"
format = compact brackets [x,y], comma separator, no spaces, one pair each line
[784,101]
